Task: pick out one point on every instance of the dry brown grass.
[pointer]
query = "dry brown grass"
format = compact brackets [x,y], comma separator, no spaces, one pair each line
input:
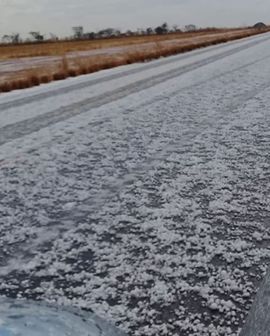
[72,67]
[60,48]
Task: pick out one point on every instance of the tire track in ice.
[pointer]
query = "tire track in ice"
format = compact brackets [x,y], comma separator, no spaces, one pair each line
[26,127]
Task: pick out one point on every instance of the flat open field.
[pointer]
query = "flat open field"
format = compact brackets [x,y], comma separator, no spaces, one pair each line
[59,48]
[28,65]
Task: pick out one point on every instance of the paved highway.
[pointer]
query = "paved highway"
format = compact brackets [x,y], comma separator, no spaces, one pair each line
[142,192]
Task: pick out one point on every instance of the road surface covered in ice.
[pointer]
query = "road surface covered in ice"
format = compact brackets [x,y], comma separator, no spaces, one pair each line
[142,192]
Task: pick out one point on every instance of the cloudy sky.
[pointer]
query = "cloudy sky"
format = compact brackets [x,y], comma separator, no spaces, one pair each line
[58,16]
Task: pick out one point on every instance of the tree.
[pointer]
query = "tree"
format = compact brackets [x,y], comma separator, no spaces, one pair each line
[89,36]
[149,31]
[159,30]
[190,28]
[13,38]
[16,38]
[6,38]
[78,32]
[37,36]
[176,29]
[163,29]
[108,32]
[129,33]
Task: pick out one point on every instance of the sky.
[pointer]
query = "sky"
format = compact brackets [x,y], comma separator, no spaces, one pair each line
[59,16]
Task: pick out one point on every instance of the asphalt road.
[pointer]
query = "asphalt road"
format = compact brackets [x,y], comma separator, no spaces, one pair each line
[142,192]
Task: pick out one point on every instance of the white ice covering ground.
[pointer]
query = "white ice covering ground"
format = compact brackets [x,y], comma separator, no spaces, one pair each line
[142,192]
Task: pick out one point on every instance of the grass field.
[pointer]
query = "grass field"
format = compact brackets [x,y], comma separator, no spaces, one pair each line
[70,63]
[60,48]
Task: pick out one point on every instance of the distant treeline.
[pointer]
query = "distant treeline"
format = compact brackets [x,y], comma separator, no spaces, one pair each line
[80,34]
